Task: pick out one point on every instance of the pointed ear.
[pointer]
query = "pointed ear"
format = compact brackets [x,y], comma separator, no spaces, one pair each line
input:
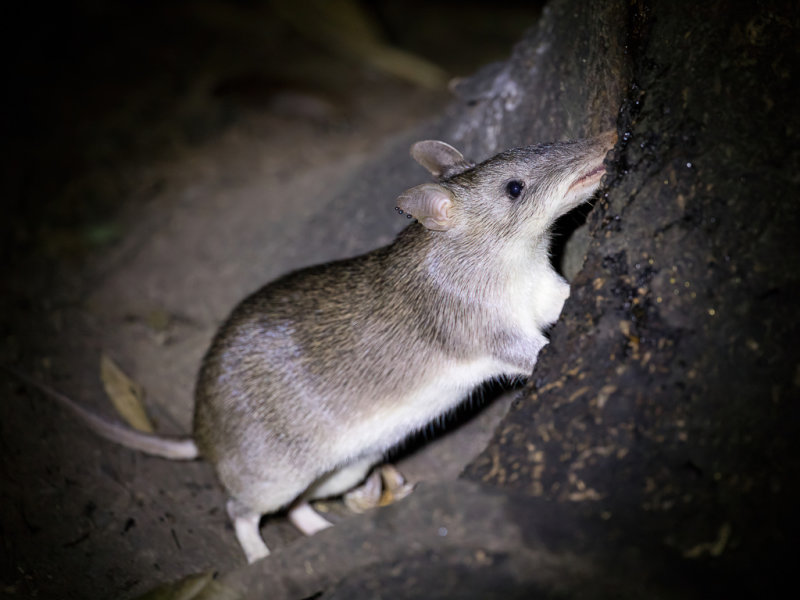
[430,204]
[442,160]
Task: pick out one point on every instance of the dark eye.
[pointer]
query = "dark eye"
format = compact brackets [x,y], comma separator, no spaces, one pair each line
[514,188]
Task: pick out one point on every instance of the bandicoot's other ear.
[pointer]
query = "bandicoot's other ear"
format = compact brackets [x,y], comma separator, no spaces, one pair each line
[441,159]
[430,204]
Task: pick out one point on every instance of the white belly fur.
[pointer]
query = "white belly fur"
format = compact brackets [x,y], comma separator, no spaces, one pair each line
[389,426]
[537,297]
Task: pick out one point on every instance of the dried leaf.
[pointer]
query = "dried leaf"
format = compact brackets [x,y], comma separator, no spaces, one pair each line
[125,395]
[158,320]
[201,586]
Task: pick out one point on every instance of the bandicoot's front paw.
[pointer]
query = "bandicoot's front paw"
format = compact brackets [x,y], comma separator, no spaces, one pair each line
[395,486]
[384,486]
[366,496]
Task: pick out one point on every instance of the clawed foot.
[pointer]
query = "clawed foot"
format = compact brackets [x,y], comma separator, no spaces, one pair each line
[384,486]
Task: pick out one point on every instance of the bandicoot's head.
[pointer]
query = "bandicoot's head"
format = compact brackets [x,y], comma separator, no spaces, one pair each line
[515,194]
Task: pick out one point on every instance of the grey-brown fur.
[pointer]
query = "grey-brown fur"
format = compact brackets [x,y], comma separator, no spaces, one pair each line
[301,365]
[314,376]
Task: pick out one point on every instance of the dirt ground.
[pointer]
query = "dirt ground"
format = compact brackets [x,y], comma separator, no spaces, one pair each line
[159,163]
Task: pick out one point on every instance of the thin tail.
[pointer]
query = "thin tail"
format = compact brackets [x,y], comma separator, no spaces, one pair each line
[173,447]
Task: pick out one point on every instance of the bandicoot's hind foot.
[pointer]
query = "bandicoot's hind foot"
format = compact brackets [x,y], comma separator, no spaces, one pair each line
[306,519]
[245,523]
[384,486]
